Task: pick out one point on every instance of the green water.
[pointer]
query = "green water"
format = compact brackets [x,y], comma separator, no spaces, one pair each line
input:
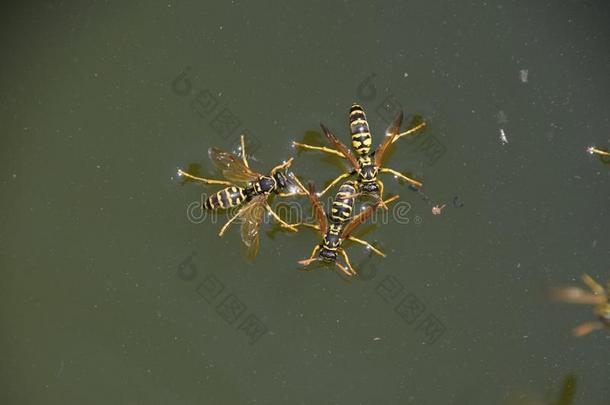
[111,295]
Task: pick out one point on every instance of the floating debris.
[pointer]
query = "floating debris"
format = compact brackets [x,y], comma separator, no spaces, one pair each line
[523,73]
[436,210]
[503,137]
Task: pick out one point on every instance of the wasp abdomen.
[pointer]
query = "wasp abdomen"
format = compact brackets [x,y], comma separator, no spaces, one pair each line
[359,127]
[226,198]
[343,204]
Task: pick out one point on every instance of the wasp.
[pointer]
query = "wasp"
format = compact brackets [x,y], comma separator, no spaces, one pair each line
[599,298]
[367,165]
[248,190]
[338,226]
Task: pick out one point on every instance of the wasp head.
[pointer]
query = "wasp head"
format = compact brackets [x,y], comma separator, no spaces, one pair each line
[280,180]
[328,255]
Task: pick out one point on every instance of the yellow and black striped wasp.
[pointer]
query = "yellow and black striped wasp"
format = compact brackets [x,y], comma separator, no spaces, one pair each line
[599,298]
[338,226]
[251,195]
[368,164]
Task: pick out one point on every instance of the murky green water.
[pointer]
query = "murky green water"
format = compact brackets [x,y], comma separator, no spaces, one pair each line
[112,295]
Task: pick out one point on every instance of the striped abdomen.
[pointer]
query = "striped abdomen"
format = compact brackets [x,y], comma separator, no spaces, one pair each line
[359,127]
[343,204]
[226,198]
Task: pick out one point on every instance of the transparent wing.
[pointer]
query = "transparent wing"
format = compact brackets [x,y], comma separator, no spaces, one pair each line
[358,220]
[252,217]
[233,168]
[340,147]
[317,208]
[390,134]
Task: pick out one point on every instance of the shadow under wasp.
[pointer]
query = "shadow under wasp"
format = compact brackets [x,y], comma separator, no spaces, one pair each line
[368,164]
[248,190]
[338,226]
[599,298]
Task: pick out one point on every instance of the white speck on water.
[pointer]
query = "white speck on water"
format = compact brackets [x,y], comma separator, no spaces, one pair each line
[594,244]
[503,137]
[523,73]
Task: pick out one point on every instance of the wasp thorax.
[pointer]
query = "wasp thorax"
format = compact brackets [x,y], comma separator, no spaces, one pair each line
[331,241]
[266,184]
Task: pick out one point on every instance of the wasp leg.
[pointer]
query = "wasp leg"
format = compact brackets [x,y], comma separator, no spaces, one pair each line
[233,218]
[312,258]
[243,150]
[400,175]
[206,181]
[586,328]
[367,245]
[335,181]
[314,226]
[409,131]
[284,165]
[280,220]
[593,285]
[382,203]
[349,270]
[598,151]
[319,148]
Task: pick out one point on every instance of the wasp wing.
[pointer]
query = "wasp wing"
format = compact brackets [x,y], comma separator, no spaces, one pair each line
[358,220]
[390,134]
[340,147]
[233,168]
[252,217]
[318,211]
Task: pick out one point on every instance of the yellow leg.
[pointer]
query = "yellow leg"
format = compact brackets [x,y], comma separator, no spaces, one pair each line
[233,218]
[382,203]
[206,181]
[243,150]
[319,148]
[597,151]
[593,285]
[409,131]
[391,199]
[368,245]
[284,165]
[400,175]
[312,258]
[280,220]
[314,226]
[350,270]
[335,181]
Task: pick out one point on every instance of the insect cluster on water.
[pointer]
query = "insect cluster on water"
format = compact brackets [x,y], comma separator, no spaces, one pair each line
[249,191]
